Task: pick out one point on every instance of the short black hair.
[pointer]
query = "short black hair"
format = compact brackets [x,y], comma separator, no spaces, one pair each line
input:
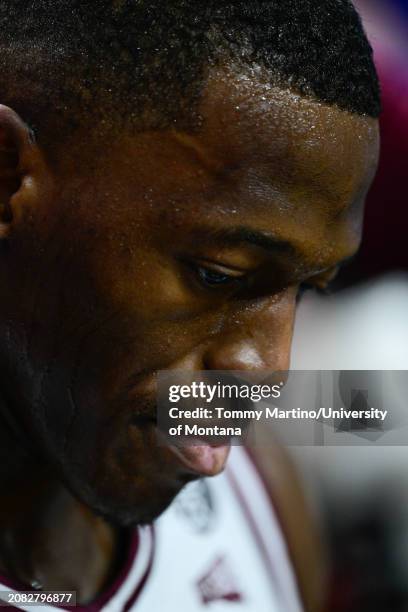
[149,58]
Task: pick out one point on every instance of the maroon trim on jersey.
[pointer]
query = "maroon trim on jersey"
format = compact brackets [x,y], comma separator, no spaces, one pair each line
[114,586]
[276,510]
[253,525]
[131,601]
[110,591]
[255,464]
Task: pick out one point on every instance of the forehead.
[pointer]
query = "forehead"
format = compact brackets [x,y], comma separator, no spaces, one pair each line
[284,162]
[262,157]
[285,140]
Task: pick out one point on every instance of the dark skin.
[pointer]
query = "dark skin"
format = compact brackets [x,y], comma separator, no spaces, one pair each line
[161,250]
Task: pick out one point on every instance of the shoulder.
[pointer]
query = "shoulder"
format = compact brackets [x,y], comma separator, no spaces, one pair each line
[298,524]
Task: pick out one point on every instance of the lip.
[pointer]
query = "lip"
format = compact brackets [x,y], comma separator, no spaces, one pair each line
[202,459]
[198,457]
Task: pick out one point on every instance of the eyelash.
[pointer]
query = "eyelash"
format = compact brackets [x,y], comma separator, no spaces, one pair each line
[222,280]
[211,279]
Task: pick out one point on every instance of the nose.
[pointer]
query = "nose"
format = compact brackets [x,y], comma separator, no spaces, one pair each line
[258,338]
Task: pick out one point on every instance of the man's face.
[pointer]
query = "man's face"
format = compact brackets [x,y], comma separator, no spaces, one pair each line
[171,250]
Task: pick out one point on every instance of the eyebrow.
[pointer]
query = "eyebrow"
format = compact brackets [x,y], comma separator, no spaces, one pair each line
[245,235]
[265,240]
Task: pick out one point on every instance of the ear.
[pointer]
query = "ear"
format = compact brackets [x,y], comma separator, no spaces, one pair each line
[22,169]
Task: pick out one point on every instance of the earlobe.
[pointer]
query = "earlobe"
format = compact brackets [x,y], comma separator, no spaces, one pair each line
[19,157]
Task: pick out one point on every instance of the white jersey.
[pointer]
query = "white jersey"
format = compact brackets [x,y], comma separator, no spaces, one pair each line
[217,548]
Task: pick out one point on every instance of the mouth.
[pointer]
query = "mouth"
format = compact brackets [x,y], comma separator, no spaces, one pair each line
[203,459]
[198,457]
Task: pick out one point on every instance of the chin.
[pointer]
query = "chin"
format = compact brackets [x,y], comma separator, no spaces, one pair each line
[124,517]
[125,478]
[143,507]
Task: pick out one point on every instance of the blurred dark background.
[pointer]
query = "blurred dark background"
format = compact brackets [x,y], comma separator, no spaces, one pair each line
[385,244]
[360,494]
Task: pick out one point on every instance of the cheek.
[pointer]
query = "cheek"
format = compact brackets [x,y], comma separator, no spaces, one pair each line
[107,314]
[92,356]
[136,312]
[129,350]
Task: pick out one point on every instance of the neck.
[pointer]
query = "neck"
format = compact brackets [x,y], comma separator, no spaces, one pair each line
[41,522]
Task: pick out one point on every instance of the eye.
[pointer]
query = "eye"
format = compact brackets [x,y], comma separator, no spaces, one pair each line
[215,276]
